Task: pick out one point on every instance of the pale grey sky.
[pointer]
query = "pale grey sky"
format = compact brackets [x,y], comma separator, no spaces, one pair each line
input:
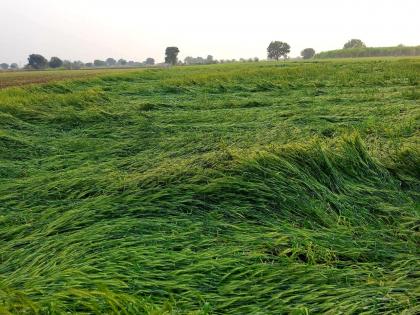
[136,29]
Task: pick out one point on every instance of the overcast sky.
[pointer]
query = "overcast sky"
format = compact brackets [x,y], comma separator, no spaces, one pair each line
[136,29]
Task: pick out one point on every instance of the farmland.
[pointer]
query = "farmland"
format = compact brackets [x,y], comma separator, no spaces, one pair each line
[19,78]
[255,188]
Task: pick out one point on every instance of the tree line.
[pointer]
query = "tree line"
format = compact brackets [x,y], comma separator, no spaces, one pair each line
[359,52]
[171,58]
[353,48]
[275,51]
[39,62]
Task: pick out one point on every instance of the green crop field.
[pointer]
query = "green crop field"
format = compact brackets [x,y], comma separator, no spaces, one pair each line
[259,188]
[18,78]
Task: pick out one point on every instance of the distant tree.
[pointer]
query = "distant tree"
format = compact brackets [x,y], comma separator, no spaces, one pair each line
[307,53]
[37,61]
[188,60]
[99,63]
[256,59]
[14,66]
[4,66]
[110,62]
[149,61]
[278,49]
[55,62]
[354,43]
[171,55]
[122,62]
[199,60]
[89,64]
[67,64]
[76,65]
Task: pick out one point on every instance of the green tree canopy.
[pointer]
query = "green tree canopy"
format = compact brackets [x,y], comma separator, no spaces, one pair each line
[308,53]
[149,61]
[37,61]
[55,62]
[354,43]
[99,63]
[111,62]
[122,62]
[278,49]
[171,55]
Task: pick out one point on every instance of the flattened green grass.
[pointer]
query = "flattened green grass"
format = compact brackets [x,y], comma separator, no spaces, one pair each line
[263,188]
[20,78]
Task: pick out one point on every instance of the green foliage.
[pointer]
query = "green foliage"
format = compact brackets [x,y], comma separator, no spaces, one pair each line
[110,62]
[171,55]
[77,65]
[122,62]
[199,60]
[55,62]
[149,61]
[99,63]
[278,49]
[371,52]
[249,188]
[37,61]
[354,43]
[307,53]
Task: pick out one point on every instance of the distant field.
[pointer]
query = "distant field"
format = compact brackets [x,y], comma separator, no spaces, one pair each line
[18,78]
[263,188]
